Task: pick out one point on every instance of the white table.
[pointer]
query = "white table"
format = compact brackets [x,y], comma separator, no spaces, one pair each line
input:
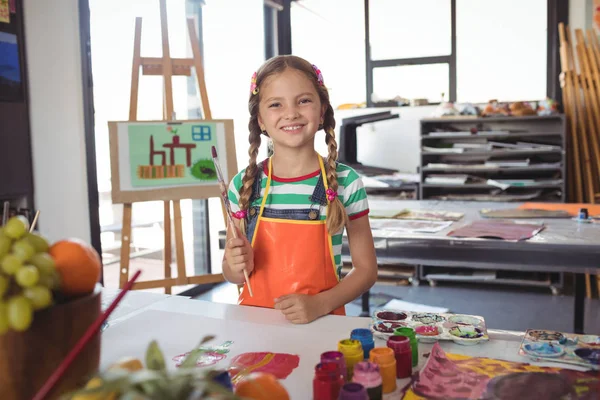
[178,324]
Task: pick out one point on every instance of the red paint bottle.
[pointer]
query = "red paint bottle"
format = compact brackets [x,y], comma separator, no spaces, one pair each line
[403,355]
[327,382]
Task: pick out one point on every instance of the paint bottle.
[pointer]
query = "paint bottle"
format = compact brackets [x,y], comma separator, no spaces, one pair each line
[384,357]
[414,344]
[337,357]
[403,354]
[365,337]
[353,353]
[367,374]
[583,214]
[327,381]
[353,391]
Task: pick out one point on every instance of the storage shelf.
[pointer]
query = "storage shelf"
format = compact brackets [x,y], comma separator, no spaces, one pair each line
[537,130]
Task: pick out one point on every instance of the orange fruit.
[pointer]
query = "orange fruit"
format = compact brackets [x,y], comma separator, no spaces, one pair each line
[78,265]
[261,386]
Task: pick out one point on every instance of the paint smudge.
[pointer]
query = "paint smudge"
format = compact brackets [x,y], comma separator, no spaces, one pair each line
[205,360]
[211,355]
[279,364]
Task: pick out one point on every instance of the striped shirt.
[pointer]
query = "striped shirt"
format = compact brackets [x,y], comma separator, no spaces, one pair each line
[294,193]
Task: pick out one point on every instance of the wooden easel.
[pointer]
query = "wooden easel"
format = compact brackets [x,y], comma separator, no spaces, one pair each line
[581,102]
[166,67]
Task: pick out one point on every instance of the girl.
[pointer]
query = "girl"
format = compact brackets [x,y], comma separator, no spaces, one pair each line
[292,207]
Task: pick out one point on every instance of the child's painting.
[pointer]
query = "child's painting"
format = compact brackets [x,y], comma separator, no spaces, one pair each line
[169,160]
[454,376]
[10,70]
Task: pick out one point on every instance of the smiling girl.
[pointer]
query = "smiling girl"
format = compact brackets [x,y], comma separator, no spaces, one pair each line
[293,207]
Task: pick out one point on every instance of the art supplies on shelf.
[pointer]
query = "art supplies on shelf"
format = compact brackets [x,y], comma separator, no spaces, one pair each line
[544,345]
[465,133]
[505,230]
[530,154]
[430,326]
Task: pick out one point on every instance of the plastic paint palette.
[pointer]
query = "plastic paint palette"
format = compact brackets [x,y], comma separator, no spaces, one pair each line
[431,327]
[561,347]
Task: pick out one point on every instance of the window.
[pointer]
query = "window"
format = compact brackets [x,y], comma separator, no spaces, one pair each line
[487,50]
[332,37]
[501,50]
[229,61]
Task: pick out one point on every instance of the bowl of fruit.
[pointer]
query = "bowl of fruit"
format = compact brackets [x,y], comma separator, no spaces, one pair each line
[49,296]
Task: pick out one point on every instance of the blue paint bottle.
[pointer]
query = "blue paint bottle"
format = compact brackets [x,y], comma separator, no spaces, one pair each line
[365,337]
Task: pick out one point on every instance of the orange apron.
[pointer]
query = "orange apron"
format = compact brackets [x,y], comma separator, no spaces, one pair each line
[290,256]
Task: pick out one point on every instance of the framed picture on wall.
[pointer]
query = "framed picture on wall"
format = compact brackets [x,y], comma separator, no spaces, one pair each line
[11,79]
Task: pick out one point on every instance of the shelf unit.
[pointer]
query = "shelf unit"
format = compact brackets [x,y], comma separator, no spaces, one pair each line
[546,159]
[543,179]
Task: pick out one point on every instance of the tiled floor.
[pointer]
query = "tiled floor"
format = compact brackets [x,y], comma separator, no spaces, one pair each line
[502,308]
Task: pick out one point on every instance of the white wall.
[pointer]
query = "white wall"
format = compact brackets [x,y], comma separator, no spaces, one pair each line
[56,116]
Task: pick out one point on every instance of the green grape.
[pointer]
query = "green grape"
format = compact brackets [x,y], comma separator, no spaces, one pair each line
[51,281]
[23,249]
[27,276]
[20,313]
[5,243]
[4,283]
[44,262]
[3,318]
[38,242]
[11,264]
[16,227]
[40,296]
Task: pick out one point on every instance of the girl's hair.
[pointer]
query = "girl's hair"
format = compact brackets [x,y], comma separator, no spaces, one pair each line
[336,213]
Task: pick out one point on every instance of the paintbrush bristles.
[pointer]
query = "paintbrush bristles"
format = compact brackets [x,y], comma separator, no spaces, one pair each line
[213,150]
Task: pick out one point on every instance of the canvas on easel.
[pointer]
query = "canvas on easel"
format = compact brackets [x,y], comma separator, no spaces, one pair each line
[167,160]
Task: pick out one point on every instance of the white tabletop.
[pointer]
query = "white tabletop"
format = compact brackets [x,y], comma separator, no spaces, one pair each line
[178,324]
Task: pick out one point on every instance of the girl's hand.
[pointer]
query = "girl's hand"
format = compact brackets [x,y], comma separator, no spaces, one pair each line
[300,308]
[239,254]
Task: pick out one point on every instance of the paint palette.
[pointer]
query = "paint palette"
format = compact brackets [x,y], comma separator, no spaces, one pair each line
[562,347]
[431,327]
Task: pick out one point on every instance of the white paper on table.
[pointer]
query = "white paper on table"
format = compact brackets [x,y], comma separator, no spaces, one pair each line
[409,226]
[414,307]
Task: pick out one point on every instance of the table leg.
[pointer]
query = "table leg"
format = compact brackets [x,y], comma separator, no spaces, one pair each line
[579,302]
[366,311]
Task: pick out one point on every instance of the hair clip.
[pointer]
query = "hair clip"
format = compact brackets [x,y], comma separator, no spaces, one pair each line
[319,75]
[331,194]
[240,214]
[253,87]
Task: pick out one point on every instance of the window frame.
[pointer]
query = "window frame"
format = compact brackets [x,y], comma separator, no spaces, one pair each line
[557,10]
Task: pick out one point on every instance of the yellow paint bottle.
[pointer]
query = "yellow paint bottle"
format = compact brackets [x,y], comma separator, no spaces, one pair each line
[353,353]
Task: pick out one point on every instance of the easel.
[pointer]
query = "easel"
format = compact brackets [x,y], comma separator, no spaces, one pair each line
[581,92]
[166,67]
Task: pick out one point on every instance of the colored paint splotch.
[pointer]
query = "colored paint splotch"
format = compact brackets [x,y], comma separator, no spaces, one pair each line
[210,356]
[205,360]
[280,365]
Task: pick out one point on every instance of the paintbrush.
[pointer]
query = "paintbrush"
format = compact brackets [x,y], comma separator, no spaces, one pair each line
[225,199]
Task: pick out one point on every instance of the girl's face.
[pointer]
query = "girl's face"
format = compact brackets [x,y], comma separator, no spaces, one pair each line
[290,109]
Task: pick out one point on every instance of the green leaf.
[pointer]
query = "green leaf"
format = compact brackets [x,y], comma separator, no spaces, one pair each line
[154,357]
